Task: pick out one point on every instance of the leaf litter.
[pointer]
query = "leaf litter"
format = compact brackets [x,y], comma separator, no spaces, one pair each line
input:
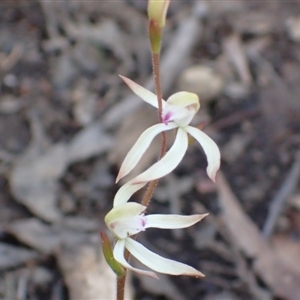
[81,47]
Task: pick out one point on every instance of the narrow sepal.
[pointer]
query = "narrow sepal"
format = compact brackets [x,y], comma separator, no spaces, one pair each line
[119,256]
[126,191]
[140,147]
[140,91]
[172,221]
[169,162]
[109,257]
[159,263]
[210,148]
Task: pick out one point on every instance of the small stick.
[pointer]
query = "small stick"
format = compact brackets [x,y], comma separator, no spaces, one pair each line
[281,196]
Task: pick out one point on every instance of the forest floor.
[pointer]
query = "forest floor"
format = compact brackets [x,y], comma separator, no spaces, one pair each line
[67,121]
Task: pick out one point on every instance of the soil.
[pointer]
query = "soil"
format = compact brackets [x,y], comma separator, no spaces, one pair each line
[59,66]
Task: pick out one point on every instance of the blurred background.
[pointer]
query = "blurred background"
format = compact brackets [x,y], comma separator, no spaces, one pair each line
[67,121]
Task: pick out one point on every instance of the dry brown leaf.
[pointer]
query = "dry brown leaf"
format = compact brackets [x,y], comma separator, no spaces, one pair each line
[88,142]
[35,174]
[87,274]
[42,237]
[203,81]
[245,234]
[277,274]
[288,250]
[33,179]
[235,51]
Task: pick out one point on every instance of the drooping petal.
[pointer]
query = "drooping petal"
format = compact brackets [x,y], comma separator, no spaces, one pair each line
[168,163]
[119,256]
[126,191]
[140,147]
[210,148]
[143,93]
[172,221]
[157,262]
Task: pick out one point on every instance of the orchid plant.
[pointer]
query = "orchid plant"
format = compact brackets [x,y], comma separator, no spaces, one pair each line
[126,219]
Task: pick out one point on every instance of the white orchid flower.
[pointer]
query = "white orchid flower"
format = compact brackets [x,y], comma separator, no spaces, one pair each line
[178,111]
[127,219]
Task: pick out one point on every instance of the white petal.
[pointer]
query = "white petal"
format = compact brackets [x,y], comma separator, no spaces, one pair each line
[140,147]
[185,99]
[168,163]
[124,211]
[126,191]
[124,228]
[119,256]
[143,93]
[126,219]
[159,263]
[210,148]
[172,221]
[183,106]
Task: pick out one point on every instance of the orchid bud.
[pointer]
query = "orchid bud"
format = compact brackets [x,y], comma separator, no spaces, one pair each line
[157,11]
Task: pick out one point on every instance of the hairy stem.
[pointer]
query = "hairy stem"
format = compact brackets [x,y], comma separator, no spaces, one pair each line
[121,287]
[152,185]
[156,73]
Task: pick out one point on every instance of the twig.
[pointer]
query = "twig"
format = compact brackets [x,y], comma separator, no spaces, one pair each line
[236,53]
[51,19]
[281,196]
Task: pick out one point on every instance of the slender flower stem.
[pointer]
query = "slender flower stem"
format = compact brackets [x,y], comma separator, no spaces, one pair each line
[152,185]
[156,73]
[121,287]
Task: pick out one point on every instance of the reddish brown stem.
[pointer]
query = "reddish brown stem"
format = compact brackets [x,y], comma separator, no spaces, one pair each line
[121,287]
[156,73]
[152,185]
